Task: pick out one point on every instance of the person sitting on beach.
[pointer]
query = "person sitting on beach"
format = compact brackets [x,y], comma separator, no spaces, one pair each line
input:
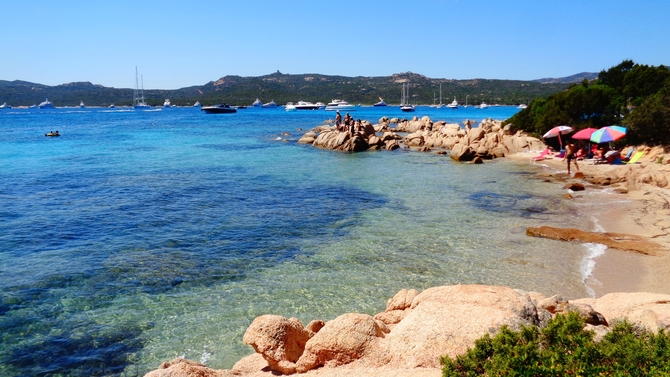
[570,155]
[581,153]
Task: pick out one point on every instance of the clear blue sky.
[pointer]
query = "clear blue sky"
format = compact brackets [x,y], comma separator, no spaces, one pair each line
[183,43]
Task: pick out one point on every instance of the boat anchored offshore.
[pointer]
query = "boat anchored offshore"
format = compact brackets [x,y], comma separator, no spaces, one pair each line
[5,106]
[303,105]
[404,102]
[337,104]
[81,104]
[196,104]
[453,105]
[270,105]
[218,109]
[46,105]
[166,103]
[381,103]
[138,96]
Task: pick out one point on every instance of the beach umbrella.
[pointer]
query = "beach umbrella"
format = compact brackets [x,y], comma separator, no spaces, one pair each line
[608,134]
[584,134]
[557,132]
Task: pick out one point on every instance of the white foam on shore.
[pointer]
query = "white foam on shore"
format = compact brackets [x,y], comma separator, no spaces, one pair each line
[593,250]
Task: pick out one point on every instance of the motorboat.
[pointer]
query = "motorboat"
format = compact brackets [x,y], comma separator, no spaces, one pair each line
[320,105]
[196,104]
[81,104]
[270,105]
[111,106]
[303,105]
[138,96]
[221,108]
[33,106]
[166,103]
[5,106]
[290,107]
[381,103]
[404,102]
[337,104]
[483,106]
[522,106]
[453,105]
[257,103]
[46,105]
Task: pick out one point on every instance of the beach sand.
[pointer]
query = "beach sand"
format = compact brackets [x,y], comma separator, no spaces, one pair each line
[645,212]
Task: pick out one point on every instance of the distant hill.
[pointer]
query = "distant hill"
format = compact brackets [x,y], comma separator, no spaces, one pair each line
[283,88]
[569,79]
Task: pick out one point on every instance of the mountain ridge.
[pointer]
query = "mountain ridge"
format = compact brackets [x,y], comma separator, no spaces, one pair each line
[282,88]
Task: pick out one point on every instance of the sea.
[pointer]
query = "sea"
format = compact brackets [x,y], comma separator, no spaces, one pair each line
[141,236]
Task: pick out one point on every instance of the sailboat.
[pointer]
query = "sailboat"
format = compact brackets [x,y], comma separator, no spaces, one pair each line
[440,105]
[138,97]
[405,105]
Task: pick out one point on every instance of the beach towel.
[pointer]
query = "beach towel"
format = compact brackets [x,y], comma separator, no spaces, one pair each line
[636,157]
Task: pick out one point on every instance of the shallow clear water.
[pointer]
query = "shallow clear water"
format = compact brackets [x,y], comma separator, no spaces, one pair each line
[138,236]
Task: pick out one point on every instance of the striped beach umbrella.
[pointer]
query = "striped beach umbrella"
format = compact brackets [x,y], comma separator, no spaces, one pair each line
[608,134]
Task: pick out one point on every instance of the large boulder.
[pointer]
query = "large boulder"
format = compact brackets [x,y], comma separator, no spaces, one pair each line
[341,341]
[462,152]
[281,341]
[181,367]
[447,320]
[651,310]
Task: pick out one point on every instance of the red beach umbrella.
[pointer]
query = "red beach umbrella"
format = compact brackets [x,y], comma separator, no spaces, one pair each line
[584,134]
[558,131]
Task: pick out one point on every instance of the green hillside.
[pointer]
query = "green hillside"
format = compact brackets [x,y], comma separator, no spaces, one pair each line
[283,88]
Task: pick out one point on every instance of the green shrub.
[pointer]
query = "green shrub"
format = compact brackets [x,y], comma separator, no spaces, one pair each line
[564,348]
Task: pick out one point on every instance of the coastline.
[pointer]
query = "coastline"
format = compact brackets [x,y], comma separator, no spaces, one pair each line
[642,211]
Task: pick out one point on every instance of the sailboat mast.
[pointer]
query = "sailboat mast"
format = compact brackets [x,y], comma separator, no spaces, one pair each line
[142,88]
[440,94]
[136,87]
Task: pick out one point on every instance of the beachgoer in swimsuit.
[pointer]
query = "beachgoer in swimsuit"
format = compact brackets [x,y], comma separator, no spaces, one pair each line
[570,151]
[338,120]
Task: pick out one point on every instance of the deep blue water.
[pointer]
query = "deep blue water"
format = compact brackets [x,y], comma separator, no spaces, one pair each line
[136,237]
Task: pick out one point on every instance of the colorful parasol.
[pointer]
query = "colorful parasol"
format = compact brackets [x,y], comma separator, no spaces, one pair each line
[584,134]
[608,134]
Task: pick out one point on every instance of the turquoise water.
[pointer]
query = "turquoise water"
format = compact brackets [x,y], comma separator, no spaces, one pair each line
[138,236]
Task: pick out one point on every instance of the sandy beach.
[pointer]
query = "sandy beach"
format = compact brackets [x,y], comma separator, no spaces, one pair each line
[643,210]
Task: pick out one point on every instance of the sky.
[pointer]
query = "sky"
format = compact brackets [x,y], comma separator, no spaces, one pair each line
[176,44]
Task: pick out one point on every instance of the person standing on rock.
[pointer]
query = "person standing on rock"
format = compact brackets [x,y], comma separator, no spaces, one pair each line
[570,154]
[338,120]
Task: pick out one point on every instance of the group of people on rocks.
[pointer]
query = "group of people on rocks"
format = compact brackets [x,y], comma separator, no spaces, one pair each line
[349,125]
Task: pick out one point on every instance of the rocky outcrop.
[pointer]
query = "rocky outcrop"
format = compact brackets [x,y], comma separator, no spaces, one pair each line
[625,242]
[415,330]
[488,140]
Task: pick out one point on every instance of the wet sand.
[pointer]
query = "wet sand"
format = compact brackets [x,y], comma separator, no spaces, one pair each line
[644,212]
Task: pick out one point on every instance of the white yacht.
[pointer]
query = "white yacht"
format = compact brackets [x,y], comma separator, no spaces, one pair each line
[303,105]
[381,103]
[337,104]
[270,105]
[81,104]
[196,104]
[522,106]
[453,105]
[5,106]
[46,105]
[166,103]
[290,107]
[483,106]
[257,103]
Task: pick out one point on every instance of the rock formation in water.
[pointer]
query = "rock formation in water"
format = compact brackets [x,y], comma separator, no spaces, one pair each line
[414,331]
[488,140]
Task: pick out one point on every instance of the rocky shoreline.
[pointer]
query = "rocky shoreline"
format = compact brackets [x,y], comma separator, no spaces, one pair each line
[415,330]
